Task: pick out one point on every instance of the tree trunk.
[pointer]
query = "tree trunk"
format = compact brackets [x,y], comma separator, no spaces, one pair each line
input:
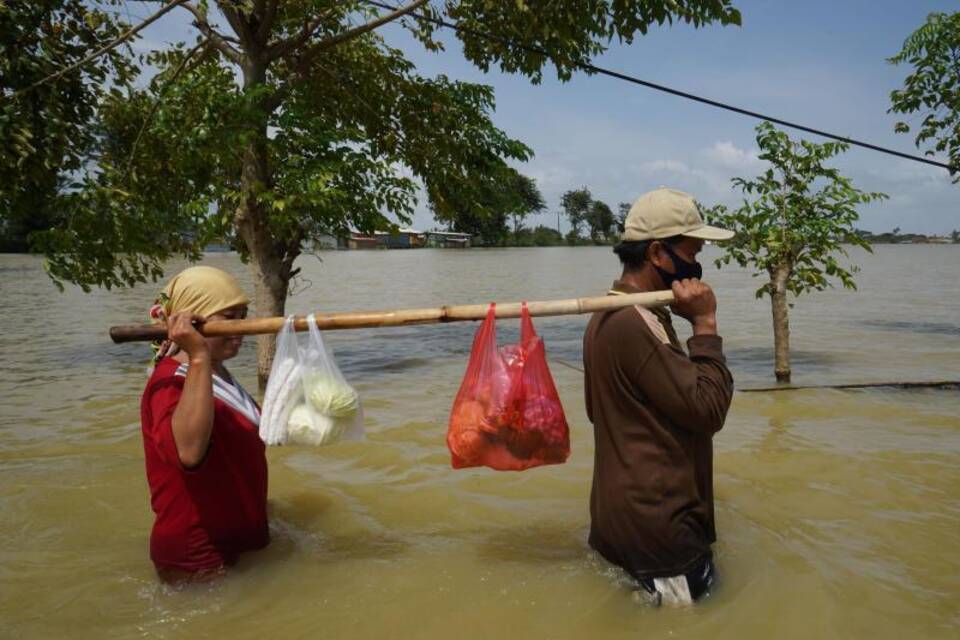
[270,297]
[270,261]
[781,323]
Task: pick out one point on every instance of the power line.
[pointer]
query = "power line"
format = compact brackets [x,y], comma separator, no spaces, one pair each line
[676,92]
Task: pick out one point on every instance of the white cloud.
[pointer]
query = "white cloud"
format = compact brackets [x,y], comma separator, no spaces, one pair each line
[550,178]
[706,173]
[727,154]
[665,166]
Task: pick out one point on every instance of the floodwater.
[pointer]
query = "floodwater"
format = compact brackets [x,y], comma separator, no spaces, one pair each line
[838,512]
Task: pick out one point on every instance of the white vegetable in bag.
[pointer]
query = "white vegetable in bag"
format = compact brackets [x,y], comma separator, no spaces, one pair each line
[328,392]
[307,426]
[284,387]
[330,396]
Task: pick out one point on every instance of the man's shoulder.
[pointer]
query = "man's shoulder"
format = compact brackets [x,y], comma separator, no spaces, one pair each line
[628,323]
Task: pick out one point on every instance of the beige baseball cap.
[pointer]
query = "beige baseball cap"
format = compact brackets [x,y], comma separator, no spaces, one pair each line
[664,213]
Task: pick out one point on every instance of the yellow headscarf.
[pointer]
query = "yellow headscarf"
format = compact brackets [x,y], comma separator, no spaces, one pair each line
[202,290]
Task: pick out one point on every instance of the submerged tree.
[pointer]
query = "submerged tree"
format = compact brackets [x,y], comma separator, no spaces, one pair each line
[796,218]
[933,88]
[285,120]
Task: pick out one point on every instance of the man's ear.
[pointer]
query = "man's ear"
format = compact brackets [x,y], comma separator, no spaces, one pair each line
[657,256]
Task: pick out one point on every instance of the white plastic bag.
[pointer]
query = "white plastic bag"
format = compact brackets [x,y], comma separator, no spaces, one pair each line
[308,401]
[284,388]
[336,406]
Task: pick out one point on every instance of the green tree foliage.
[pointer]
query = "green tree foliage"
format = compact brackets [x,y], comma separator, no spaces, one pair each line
[527,200]
[570,34]
[583,211]
[183,148]
[601,221]
[797,217]
[47,135]
[543,236]
[623,209]
[286,119]
[933,87]
[510,199]
[576,206]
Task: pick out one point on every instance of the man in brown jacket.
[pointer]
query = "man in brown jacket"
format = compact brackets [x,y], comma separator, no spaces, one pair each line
[655,409]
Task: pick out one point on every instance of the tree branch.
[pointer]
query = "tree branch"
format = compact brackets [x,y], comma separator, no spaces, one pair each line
[311,54]
[123,37]
[160,94]
[218,40]
[239,25]
[363,103]
[267,18]
[350,34]
[283,47]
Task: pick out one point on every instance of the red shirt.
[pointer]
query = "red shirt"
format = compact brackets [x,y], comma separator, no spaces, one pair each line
[205,516]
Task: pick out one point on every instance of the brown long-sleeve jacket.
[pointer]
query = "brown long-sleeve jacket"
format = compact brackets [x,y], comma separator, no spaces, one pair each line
[654,410]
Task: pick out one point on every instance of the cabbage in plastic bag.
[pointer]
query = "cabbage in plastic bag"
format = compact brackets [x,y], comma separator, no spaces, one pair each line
[306,426]
[330,395]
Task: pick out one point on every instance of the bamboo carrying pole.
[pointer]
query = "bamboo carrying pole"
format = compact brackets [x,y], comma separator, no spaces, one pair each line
[402,317]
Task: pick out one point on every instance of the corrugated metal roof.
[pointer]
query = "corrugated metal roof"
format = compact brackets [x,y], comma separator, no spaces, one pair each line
[450,234]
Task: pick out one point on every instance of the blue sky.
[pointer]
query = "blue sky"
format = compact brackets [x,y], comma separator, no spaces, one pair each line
[819,63]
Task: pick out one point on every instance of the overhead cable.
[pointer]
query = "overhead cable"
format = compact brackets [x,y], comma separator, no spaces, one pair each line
[676,92]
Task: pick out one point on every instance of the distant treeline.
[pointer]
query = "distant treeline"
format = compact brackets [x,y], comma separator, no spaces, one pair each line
[896,237]
[591,221]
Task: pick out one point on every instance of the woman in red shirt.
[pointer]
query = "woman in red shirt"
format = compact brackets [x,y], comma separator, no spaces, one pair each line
[205,461]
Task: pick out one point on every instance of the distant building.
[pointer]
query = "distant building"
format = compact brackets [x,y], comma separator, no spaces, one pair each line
[328,242]
[405,239]
[377,240]
[447,239]
[219,244]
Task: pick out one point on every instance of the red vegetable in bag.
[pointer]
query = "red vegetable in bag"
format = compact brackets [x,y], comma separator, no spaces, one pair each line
[507,414]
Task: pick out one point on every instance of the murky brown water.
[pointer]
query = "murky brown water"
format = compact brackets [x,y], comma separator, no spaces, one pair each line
[838,512]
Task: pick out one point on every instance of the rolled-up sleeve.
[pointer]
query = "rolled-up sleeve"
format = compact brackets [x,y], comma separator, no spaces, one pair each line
[162,402]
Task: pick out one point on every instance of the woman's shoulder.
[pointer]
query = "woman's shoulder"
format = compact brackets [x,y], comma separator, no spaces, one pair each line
[168,372]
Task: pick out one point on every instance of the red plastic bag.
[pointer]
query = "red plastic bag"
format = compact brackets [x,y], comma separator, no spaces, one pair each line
[507,414]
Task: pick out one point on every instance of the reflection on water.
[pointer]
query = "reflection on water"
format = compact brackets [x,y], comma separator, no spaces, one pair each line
[757,361]
[837,511]
[916,326]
